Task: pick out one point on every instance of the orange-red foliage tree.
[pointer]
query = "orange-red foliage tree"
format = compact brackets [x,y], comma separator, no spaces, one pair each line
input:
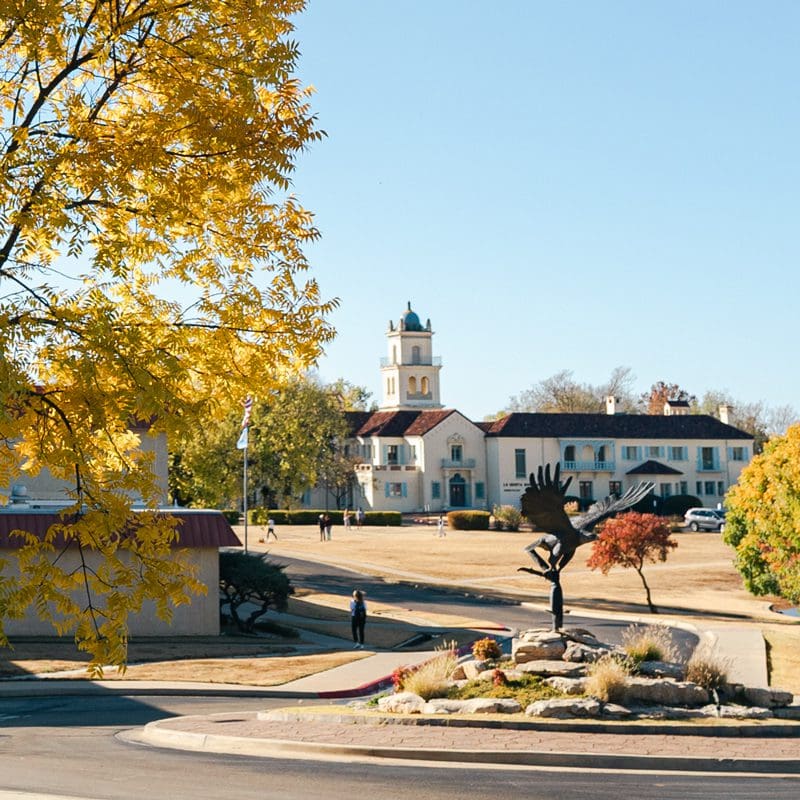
[632,540]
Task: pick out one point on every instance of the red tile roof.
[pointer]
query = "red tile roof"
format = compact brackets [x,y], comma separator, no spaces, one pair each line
[197,528]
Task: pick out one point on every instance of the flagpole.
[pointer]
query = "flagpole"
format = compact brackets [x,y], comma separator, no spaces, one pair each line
[244,503]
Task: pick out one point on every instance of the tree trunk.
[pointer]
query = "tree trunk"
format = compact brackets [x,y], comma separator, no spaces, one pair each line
[653,609]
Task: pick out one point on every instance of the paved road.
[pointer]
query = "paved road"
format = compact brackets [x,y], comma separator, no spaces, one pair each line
[66,746]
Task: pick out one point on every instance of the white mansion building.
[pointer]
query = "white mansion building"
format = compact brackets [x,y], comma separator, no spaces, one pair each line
[416,455]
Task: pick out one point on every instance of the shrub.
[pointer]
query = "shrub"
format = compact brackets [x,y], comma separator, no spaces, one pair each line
[607,679]
[509,517]
[648,643]
[231,516]
[389,518]
[432,678]
[499,678]
[678,504]
[248,578]
[486,649]
[707,670]
[468,520]
[257,516]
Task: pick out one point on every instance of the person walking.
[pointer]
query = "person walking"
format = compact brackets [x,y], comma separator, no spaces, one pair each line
[359,517]
[271,529]
[358,618]
[322,527]
[328,526]
[440,527]
[346,519]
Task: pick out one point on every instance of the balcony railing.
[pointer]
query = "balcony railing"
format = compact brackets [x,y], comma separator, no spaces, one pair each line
[588,466]
[464,463]
[434,361]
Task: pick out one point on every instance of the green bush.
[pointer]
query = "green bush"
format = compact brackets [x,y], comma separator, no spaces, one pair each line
[468,520]
[679,504]
[260,516]
[390,518]
[232,516]
[509,518]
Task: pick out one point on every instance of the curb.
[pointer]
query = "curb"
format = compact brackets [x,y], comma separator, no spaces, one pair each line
[153,734]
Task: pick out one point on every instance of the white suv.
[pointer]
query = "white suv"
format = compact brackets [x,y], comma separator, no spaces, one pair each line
[705,519]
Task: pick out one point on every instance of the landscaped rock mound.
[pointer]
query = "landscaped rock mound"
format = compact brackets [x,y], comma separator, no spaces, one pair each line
[564,659]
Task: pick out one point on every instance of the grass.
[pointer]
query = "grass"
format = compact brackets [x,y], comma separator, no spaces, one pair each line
[648,643]
[607,679]
[431,678]
[526,690]
[707,670]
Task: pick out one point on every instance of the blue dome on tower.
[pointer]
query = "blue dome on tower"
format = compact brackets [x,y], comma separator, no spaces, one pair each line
[410,321]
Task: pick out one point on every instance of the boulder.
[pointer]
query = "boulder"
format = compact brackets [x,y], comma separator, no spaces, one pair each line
[736,712]
[477,705]
[471,669]
[545,646]
[666,692]
[566,669]
[567,685]
[511,674]
[787,712]
[614,711]
[563,708]
[767,698]
[662,669]
[402,703]
[584,653]
[582,636]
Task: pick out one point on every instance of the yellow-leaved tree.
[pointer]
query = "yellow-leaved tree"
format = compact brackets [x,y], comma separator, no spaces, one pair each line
[151,271]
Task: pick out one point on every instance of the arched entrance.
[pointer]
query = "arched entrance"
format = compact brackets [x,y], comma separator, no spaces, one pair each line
[459,492]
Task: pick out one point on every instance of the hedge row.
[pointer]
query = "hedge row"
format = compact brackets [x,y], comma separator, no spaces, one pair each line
[260,516]
[468,520]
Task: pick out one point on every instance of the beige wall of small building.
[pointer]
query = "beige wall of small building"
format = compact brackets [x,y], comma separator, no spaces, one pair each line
[198,618]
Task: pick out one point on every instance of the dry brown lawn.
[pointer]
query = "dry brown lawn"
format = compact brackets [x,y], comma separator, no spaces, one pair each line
[697,583]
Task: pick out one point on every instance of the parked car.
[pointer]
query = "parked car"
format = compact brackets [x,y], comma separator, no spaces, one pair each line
[705,519]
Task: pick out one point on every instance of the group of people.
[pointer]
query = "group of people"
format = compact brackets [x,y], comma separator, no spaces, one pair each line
[326,524]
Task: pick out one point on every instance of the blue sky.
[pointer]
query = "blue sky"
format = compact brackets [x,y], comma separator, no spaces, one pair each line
[559,186]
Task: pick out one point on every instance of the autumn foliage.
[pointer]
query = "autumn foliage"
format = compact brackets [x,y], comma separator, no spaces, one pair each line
[630,541]
[151,270]
[763,521]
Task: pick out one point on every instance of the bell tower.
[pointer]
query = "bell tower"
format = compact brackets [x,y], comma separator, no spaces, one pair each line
[410,372]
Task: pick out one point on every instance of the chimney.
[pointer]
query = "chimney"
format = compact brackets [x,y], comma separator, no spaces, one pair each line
[611,405]
[725,414]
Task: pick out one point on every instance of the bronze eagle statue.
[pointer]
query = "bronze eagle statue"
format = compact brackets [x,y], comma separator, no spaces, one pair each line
[543,505]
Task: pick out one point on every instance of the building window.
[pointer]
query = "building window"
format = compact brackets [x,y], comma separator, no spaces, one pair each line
[601,454]
[653,452]
[738,454]
[415,355]
[615,487]
[412,385]
[720,488]
[666,489]
[456,452]
[395,490]
[392,454]
[425,387]
[630,453]
[684,487]
[585,490]
[709,487]
[520,470]
[366,450]
[698,487]
[436,490]
[480,491]
[569,452]
[412,450]
[677,454]
[707,460]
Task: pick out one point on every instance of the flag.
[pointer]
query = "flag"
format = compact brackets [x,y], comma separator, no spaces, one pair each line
[248,407]
[242,443]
